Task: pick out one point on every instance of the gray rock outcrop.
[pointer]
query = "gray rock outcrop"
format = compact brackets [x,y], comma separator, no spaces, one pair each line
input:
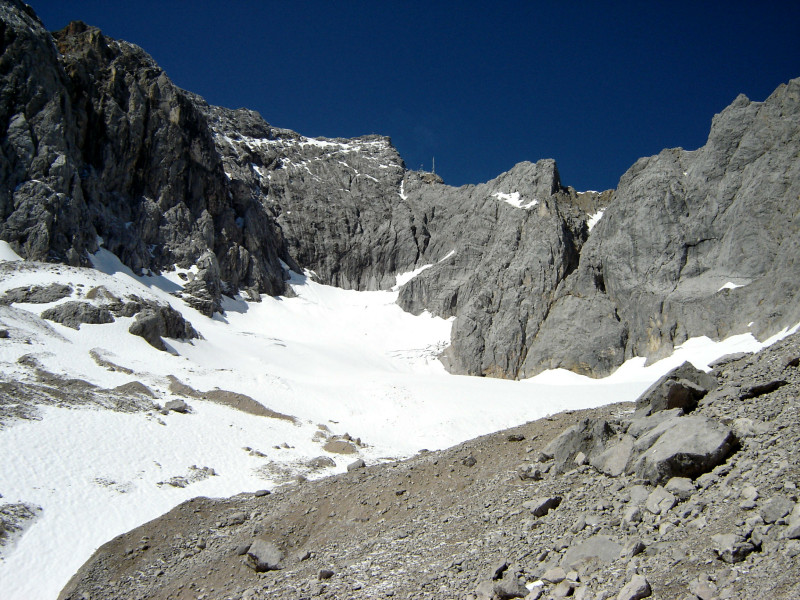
[693,243]
[159,321]
[683,388]
[100,144]
[73,313]
[101,147]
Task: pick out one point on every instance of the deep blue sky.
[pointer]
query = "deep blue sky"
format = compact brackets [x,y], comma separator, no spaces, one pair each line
[479,86]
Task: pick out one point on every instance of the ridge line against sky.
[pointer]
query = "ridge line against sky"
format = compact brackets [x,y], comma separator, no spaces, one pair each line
[478,86]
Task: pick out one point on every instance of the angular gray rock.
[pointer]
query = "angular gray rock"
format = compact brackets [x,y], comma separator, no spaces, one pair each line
[614,460]
[356,465]
[37,294]
[776,508]
[636,589]
[588,436]
[683,387]
[73,313]
[731,547]
[176,405]
[264,556]
[160,321]
[683,447]
[601,547]
[681,487]
[541,505]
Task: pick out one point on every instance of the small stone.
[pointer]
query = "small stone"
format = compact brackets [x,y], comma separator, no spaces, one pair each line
[237,518]
[509,587]
[177,406]
[498,569]
[634,547]
[541,505]
[264,556]
[564,588]
[636,589]
[632,514]
[749,492]
[515,437]
[731,548]
[261,493]
[357,464]
[529,472]
[705,590]
[660,501]
[681,487]
[776,508]
[339,447]
[324,574]
[554,575]
[469,461]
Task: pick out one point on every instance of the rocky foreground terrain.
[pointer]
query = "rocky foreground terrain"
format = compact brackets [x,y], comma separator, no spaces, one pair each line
[658,499]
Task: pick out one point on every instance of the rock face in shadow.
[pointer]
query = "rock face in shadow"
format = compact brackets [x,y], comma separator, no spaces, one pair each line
[100,144]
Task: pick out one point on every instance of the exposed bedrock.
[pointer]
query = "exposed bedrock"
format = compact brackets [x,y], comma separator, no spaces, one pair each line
[693,243]
[99,147]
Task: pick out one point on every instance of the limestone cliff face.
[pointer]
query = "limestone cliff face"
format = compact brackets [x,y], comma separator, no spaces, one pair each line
[494,253]
[100,147]
[694,243]
[100,142]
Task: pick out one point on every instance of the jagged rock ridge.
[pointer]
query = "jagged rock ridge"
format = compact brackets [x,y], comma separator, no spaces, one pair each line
[101,144]
[693,243]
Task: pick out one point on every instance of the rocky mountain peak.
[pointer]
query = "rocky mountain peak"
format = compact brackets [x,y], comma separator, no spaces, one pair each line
[101,145]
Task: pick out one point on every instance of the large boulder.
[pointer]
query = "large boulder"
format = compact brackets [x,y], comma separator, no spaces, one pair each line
[158,321]
[683,388]
[683,447]
[589,436]
[263,556]
[73,313]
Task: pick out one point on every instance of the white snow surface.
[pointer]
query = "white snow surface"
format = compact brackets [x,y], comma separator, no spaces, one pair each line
[6,253]
[730,286]
[593,219]
[350,361]
[516,200]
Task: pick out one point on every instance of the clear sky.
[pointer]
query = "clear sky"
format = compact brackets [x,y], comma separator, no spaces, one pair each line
[479,86]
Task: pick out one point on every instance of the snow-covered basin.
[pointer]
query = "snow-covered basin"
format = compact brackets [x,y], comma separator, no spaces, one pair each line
[351,361]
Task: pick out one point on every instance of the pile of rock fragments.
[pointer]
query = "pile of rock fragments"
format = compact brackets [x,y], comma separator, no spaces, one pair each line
[690,494]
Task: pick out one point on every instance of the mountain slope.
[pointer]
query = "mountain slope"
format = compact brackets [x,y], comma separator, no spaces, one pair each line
[101,144]
[460,523]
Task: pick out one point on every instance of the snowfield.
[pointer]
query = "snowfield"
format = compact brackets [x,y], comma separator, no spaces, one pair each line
[328,362]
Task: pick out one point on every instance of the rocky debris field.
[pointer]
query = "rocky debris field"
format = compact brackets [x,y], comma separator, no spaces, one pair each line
[691,494]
